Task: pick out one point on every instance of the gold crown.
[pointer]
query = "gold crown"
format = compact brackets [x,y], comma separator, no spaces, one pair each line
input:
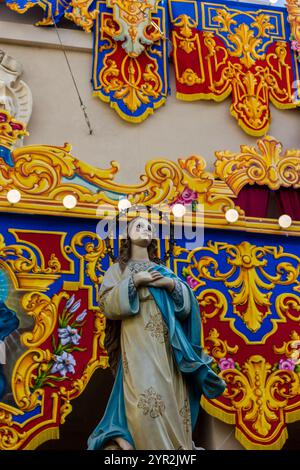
[10,129]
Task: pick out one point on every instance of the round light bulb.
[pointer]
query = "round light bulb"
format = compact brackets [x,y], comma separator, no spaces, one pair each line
[178,210]
[69,201]
[273,1]
[285,221]
[124,204]
[13,196]
[232,215]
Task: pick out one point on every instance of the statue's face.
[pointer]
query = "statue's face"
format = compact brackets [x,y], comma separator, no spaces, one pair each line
[140,232]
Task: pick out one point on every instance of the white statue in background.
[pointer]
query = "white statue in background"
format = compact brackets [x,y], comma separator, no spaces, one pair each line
[15,95]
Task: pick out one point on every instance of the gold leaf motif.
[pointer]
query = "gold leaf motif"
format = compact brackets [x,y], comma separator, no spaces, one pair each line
[265,166]
[151,403]
[220,348]
[247,265]
[133,18]
[245,41]
[44,312]
[257,392]
[10,129]
[126,82]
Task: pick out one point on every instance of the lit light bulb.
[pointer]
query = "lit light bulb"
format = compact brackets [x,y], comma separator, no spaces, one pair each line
[273,1]
[69,201]
[232,215]
[124,204]
[178,210]
[13,196]
[285,221]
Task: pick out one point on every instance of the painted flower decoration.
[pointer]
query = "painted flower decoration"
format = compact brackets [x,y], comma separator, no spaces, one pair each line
[191,281]
[64,364]
[286,364]
[226,363]
[68,335]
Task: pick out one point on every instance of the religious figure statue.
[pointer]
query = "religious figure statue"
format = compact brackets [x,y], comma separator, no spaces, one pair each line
[153,338]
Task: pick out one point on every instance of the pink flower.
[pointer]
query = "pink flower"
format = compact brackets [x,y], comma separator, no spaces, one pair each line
[226,363]
[295,45]
[186,197]
[286,364]
[191,282]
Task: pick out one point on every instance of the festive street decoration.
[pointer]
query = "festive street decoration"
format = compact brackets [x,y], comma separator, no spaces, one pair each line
[293,8]
[222,49]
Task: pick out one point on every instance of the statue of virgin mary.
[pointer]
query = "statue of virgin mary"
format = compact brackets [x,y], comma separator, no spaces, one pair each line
[153,337]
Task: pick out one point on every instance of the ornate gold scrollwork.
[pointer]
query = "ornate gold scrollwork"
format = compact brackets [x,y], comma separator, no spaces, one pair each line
[246,43]
[220,348]
[81,15]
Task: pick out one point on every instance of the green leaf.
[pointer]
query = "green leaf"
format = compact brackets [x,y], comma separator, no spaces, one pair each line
[56,378]
[49,384]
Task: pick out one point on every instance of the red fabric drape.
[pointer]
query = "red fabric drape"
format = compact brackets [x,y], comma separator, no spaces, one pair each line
[288,201]
[254,200]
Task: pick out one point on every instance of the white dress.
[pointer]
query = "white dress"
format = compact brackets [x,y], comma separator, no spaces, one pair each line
[155,393]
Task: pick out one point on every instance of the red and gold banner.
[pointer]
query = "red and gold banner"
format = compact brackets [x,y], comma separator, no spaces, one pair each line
[222,50]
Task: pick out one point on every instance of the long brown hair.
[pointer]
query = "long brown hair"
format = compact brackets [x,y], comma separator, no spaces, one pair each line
[113,327]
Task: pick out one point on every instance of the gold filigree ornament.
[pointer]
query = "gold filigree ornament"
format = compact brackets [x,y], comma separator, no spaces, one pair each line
[190,78]
[267,165]
[133,17]
[247,280]
[81,14]
[219,348]
[188,40]
[35,363]
[291,347]
[259,396]
[245,42]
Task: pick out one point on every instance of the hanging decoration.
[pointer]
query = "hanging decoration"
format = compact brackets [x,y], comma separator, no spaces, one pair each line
[223,49]
[130,57]
[81,12]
